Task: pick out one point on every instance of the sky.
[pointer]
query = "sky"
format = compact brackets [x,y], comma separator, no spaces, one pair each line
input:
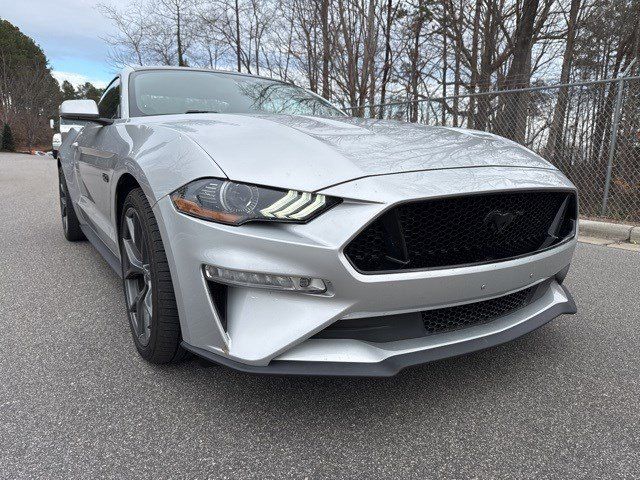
[69,32]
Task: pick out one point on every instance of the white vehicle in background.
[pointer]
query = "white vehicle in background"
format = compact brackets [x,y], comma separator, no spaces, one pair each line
[65,127]
[55,144]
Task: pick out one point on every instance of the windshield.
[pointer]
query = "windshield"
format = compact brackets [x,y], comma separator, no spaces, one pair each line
[166,92]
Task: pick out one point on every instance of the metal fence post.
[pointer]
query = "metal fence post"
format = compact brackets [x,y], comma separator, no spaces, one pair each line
[428,103]
[612,144]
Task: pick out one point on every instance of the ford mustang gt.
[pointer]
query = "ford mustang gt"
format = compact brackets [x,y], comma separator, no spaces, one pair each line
[258,226]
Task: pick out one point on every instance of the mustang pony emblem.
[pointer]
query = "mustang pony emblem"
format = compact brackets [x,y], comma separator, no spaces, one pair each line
[497,221]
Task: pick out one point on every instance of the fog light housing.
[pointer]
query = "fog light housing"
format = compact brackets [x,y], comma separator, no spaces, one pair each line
[264,280]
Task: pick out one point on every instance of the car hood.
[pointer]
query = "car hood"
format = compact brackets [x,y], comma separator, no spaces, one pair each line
[312,153]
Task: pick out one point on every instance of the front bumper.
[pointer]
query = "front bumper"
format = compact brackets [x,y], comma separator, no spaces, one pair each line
[269,331]
[556,302]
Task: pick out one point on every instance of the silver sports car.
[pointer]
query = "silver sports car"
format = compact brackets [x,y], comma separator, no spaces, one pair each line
[258,226]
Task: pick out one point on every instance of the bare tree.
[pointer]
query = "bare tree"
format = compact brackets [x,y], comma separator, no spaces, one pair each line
[180,17]
[416,20]
[131,33]
[326,48]
[360,52]
[555,132]
[511,121]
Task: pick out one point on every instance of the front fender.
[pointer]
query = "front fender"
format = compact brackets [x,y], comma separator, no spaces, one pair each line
[158,158]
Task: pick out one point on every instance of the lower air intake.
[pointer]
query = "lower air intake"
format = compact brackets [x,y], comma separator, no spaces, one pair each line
[472,314]
[403,326]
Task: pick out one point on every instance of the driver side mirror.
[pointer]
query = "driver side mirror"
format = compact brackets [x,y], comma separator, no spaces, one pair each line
[82,110]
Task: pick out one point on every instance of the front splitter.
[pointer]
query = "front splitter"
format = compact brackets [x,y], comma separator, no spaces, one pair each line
[392,365]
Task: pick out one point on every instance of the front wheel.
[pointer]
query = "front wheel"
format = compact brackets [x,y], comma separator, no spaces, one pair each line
[70,223]
[148,289]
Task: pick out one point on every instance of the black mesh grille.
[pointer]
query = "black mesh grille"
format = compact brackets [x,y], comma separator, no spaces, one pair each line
[471,314]
[463,230]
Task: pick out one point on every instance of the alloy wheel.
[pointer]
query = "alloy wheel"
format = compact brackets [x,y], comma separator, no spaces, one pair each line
[137,276]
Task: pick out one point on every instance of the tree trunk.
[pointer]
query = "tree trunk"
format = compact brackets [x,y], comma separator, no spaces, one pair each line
[366,80]
[445,66]
[474,64]
[456,89]
[181,62]
[386,68]
[326,55]
[512,116]
[556,138]
[238,36]
[415,58]
[490,29]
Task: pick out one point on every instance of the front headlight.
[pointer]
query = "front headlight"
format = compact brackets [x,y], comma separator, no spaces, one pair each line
[234,203]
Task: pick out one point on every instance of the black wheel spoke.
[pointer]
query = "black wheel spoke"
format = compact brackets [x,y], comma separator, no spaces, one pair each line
[134,265]
[136,303]
[144,315]
[131,228]
[137,276]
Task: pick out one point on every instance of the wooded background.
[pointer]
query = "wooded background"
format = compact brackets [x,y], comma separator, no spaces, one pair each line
[436,62]
[359,52]
[29,95]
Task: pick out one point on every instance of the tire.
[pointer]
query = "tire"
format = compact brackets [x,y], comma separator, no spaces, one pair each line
[70,223]
[148,289]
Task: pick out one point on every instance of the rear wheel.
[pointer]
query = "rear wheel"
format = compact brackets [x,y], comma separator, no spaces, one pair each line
[70,223]
[148,289]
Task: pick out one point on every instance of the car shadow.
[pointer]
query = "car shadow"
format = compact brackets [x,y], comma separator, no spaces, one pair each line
[506,367]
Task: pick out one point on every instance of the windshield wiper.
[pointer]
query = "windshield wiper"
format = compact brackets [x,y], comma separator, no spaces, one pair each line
[201,111]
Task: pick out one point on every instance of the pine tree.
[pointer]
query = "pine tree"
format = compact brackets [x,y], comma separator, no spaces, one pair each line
[68,91]
[8,145]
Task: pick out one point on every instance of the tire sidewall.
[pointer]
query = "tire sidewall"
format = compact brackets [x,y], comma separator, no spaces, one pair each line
[63,181]
[133,200]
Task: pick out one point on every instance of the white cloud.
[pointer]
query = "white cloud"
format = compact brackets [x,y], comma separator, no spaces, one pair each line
[76,79]
[61,19]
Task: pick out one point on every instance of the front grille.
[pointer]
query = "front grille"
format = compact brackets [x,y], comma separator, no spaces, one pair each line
[464,230]
[471,314]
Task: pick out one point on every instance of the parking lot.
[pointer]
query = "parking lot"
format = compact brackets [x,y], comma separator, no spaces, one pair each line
[76,401]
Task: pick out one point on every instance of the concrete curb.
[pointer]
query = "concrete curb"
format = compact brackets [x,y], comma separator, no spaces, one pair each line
[611,231]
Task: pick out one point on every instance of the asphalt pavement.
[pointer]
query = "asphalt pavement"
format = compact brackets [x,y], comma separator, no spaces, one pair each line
[77,402]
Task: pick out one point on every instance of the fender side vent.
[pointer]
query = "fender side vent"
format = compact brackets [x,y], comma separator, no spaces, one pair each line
[218,293]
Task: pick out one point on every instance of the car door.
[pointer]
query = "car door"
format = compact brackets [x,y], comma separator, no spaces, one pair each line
[96,161]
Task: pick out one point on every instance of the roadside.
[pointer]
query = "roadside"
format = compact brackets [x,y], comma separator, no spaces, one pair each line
[615,235]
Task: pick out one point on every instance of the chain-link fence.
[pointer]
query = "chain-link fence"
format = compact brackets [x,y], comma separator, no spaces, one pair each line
[589,130]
